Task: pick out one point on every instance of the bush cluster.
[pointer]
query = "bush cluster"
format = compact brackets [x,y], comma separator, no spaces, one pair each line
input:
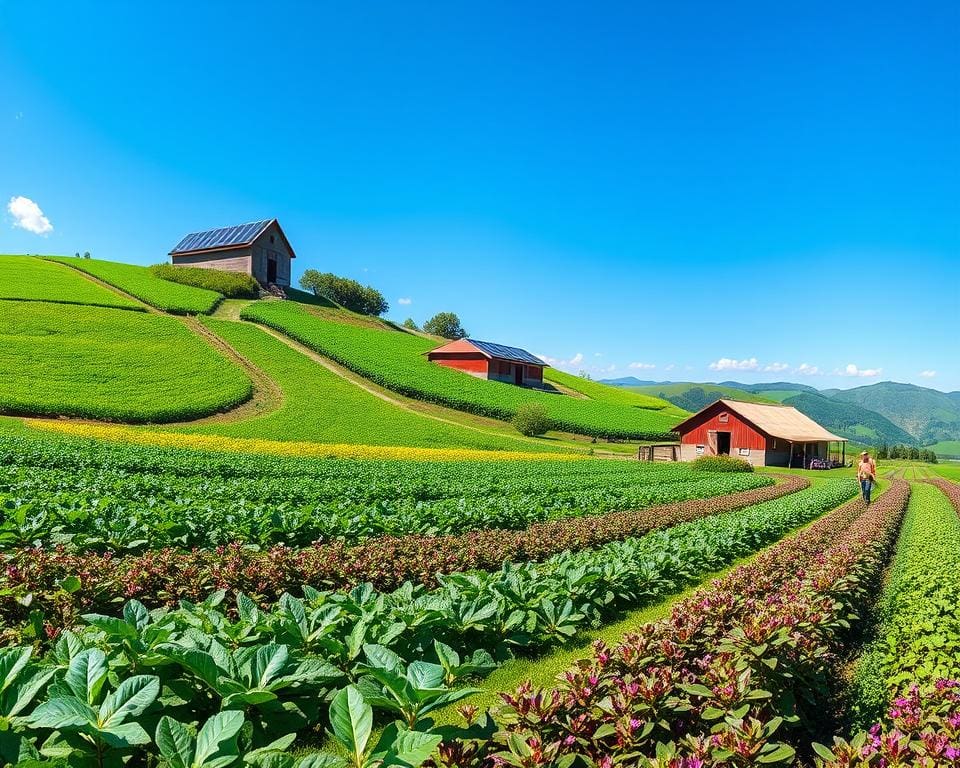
[721,464]
[531,419]
[346,292]
[233,285]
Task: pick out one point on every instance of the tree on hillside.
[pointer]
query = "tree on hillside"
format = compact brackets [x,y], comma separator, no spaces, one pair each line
[410,324]
[445,324]
[346,292]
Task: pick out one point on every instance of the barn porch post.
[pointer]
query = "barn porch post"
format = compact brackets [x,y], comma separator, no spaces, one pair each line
[843,460]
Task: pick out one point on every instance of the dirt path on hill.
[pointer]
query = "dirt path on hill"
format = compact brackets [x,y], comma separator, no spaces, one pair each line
[386,396]
[267,395]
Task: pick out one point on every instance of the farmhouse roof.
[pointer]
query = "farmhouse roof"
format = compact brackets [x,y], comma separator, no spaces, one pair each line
[783,421]
[224,238]
[490,350]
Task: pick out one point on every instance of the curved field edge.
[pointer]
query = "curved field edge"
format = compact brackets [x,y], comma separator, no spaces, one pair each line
[142,284]
[109,364]
[26,278]
[917,638]
[396,360]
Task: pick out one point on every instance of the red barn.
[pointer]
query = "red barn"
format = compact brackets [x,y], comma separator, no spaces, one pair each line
[491,361]
[764,434]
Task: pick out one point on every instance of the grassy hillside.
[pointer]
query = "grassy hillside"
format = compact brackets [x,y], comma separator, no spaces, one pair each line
[140,282]
[692,397]
[618,395]
[30,279]
[320,406]
[111,364]
[850,420]
[946,448]
[930,416]
[398,362]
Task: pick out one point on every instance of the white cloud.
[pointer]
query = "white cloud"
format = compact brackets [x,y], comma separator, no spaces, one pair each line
[27,215]
[928,374]
[642,366]
[558,362]
[805,369]
[852,370]
[405,301]
[670,367]
[776,367]
[729,364]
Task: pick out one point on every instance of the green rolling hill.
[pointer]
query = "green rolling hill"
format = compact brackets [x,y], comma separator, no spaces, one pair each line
[927,414]
[848,420]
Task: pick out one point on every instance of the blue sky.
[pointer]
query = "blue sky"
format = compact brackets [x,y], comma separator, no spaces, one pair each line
[770,189]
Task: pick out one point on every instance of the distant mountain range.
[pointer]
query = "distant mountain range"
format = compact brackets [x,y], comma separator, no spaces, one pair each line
[886,412]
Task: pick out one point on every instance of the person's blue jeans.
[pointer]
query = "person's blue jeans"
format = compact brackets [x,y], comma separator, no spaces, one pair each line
[865,487]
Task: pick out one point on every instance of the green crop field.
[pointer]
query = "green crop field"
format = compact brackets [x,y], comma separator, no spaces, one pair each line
[397,361]
[140,282]
[32,279]
[319,406]
[627,396]
[95,362]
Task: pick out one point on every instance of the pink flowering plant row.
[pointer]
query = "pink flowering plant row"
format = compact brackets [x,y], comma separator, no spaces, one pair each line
[738,674]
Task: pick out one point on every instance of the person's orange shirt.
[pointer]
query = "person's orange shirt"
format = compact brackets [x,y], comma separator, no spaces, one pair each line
[867,469]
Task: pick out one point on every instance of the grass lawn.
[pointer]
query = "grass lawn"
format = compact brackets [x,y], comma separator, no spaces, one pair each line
[320,406]
[95,362]
[31,279]
[140,282]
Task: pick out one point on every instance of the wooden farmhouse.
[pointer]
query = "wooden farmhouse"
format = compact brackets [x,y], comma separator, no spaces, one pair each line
[491,361]
[765,435]
[259,249]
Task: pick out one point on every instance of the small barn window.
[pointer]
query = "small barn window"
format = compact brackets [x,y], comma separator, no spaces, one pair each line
[699,449]
[271,238]
[744,451]
[724,418]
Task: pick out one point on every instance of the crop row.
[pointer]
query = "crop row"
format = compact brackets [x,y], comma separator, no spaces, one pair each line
[736,676]
[33,576]
[110,510]
[918,636]
[140,282]
[24,278]
[121,685]
[397,361]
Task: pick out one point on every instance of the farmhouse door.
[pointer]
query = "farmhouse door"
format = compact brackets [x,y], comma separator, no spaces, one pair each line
[271,270]
[518,375]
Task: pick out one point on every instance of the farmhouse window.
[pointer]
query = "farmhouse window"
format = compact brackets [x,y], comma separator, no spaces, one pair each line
[700,449]
[724,418]
[744,451]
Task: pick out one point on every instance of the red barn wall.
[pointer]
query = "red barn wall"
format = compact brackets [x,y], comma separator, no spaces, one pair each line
[476,363]
[742,435]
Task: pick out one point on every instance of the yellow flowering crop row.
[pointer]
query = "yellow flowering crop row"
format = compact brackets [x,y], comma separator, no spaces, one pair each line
[295,449]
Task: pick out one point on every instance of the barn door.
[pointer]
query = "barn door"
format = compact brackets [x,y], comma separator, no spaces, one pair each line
[712,442]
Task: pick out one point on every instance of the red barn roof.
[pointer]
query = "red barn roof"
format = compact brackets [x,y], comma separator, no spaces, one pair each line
[783,421]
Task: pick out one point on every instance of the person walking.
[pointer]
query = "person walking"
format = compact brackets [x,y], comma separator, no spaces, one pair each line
[867,475]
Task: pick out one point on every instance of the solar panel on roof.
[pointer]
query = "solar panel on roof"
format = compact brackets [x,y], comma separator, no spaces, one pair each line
[507,353]
[223,237]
